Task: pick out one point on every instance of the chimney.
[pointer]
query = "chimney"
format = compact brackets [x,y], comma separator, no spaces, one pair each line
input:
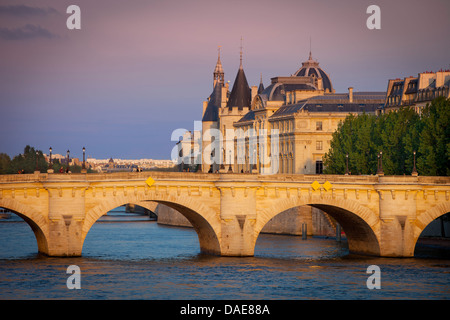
[440,79]
[350,94]
[254,91]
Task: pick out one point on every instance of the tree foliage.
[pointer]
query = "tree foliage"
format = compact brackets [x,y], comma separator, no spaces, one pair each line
[397,134]
[5,162]
[28,162]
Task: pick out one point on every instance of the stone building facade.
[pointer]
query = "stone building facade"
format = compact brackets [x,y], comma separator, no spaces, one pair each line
[303,110]
[417,91]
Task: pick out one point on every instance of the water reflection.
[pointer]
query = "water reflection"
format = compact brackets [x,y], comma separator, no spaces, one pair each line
[294,247]
[144,260]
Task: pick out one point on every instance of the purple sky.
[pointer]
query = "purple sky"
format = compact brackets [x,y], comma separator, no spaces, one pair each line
[137,70]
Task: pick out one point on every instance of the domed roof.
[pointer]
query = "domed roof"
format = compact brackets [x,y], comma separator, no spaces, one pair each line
[310,68]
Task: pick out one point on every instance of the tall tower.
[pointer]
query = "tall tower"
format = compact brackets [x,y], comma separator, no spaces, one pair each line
[210,119]
[218,71]
[238,104]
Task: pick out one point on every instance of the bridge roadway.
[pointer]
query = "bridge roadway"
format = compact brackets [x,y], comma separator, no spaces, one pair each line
[381,215]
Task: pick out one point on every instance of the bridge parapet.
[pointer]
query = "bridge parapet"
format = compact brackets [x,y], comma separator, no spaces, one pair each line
[370,179]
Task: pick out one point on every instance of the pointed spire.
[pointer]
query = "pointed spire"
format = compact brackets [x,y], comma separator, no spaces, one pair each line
[240,95]
[240,65]
[261,86]
[310,55]
[218,71]
[218,68]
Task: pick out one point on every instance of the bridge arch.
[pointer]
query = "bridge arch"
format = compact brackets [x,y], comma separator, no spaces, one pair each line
[204,220]
[424,219]
[361,224]
[33,218]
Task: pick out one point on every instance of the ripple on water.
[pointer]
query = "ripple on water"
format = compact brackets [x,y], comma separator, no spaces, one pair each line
[146,261]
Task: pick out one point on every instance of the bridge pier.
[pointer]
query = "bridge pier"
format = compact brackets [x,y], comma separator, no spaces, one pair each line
[66,213]
[398,212]
[238,236]
[65,237]
[397,237]
[238,217]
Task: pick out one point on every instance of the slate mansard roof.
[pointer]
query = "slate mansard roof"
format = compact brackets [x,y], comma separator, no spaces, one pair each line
[368,102]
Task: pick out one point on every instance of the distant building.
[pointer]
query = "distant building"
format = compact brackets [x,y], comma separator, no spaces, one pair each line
[111,163]
[189,151]
[417,91]
[303,107]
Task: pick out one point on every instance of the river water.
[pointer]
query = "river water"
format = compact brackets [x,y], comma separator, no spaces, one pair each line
[130,257]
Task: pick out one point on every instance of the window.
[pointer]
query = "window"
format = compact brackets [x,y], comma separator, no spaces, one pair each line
[319,167]
[318,125]
[319,145]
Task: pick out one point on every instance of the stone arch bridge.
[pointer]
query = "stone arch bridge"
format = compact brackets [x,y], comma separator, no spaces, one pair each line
[381,215]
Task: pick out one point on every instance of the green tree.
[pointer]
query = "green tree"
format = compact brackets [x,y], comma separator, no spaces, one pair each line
[434,147]
[363,158]
[353,137]
[26,162]
[5,162]
[398,130]
[340,145]
[397,134]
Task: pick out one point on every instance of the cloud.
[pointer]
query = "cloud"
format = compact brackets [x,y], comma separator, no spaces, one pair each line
[29,31]
[26,11]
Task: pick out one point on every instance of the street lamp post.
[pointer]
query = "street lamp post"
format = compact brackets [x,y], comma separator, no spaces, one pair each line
[380,164]
[346,164]
[254,160]
[230,170]
[50,164]
[211,168]
[222,165]
[68,160]
[37,166]
[83,169]
[414,172]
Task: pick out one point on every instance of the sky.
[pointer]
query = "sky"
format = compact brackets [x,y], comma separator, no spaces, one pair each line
[138,70]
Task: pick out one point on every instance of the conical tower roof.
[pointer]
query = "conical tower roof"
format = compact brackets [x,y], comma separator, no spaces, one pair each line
[261,86]
[240,95]
[212,109]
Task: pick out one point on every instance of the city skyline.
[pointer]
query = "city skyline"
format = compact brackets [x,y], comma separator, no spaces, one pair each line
[138,70]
